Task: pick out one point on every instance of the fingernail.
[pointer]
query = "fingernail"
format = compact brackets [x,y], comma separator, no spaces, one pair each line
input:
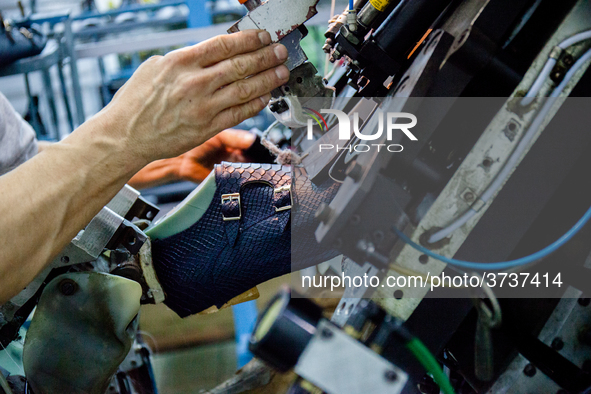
[249,138]
[280,52]
[282,72]
[265,37]
[265,99]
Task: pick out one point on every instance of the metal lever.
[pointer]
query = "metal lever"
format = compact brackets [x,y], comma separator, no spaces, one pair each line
[489,318]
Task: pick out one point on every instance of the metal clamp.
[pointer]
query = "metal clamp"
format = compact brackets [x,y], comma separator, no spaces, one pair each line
[276,191]
[230,198]
[556,53]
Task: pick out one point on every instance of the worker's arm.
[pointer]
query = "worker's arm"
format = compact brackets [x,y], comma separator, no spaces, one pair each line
[170,105]
[197,163]
[41,145]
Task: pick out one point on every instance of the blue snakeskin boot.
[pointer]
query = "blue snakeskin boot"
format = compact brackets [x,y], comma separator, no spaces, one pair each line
[234,232]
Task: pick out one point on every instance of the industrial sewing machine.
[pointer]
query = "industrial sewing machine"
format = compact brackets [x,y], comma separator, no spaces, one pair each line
[471,166]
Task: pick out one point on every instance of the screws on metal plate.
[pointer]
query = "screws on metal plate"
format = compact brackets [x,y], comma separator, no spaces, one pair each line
[487,162]
[469,196]
[529,370]
[378,235]
[557,344]
[65,259]
[423,259]
[326,333]
[68,287]
[390,375]
[398,294]
[583,301]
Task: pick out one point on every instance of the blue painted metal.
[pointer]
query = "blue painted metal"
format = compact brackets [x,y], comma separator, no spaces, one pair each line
[199,14]
[245,317]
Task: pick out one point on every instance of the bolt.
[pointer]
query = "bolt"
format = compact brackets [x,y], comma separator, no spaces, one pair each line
[398,294]
[583,301]
[557,74]
[354,170]
[378,235]
[68,287]
[469,196]
[391,376]
[557,344]
[423,259]
[529,370]
[568,60]
[326,333]
[487,162]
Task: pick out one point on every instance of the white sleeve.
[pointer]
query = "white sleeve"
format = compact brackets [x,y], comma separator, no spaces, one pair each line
[17,138]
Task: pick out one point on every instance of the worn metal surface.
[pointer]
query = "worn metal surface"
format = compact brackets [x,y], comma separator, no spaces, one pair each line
[460,23]
[567,321]
[413,84]
[124,200]
[278,17]
[87,246]
[337,363]
[353,295]
[155,291]
[493,145]
[295,53]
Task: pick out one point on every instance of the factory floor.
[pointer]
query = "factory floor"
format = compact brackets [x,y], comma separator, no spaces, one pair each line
[194,369]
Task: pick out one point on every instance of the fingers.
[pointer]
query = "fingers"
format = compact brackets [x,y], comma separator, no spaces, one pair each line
[244,90]
[236,139]
[230,117]
[224,47]
[242,66]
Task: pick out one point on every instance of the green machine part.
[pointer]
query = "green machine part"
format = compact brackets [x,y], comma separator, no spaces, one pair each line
[82,330]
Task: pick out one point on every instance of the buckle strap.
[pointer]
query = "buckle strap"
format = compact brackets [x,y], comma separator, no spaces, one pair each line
[282,198]
[231,209]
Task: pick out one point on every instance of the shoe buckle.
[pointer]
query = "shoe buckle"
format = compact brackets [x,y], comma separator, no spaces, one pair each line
[227,200]
[279,190]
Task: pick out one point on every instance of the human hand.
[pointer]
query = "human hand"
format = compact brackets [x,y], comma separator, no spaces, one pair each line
[175,102]
[228,145]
